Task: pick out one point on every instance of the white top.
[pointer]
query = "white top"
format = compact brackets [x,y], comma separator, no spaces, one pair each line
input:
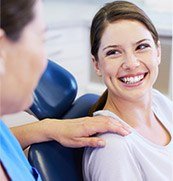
[133,157]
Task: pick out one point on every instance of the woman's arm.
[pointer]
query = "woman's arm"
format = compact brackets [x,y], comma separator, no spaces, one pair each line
[70,133]
[116,161]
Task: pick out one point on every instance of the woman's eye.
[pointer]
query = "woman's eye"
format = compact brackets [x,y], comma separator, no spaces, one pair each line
[142,46]
[113,52]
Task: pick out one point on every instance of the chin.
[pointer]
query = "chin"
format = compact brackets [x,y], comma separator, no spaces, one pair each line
[16,106]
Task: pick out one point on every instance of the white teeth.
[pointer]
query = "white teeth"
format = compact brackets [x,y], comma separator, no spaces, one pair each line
[131,80]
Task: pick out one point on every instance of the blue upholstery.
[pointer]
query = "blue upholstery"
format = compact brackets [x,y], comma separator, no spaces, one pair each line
[81,106]
[54,161]
[55,92]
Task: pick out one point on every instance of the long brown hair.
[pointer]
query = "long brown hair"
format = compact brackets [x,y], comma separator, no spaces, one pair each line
[111,12]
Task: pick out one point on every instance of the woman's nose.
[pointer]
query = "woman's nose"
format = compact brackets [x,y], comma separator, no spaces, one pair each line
[130,62]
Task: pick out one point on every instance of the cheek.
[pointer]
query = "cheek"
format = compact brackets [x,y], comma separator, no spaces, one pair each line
[43,61]
[153,61]
[109,70]
[150,60]
[39,61]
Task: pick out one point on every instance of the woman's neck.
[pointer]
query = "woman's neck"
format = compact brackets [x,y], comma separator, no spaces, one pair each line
[135,112]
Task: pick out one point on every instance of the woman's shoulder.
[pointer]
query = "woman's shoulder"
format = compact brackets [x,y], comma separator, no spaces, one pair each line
[162,103]
[161,99]
[97,162]
[113,141]
[116,145]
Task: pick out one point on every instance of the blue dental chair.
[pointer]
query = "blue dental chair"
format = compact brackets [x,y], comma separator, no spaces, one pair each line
[54,97]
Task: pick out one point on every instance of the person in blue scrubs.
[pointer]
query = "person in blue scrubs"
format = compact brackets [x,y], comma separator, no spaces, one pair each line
[22,62]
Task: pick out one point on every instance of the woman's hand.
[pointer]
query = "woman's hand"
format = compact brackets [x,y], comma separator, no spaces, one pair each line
[78,132]
[71,133]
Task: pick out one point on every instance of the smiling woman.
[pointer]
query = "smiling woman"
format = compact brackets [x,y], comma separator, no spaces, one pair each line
[126,53]
[22,62]
[124,64]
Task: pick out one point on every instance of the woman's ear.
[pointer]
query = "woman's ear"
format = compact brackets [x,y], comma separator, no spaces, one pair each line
[158,52]
[96,66]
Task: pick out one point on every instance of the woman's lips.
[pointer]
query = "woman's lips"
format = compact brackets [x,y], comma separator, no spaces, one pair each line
[132,79]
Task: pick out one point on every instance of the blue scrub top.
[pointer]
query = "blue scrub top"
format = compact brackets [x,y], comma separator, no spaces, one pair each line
[13,159]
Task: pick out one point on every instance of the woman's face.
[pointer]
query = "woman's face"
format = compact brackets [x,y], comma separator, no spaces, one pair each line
[128,59]
[24,62]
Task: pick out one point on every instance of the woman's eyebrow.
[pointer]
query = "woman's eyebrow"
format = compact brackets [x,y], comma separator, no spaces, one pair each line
[138,42]
[115,46]
[111,46]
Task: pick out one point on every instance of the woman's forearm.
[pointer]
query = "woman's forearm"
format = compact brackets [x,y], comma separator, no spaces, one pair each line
[70,133]
[30,133]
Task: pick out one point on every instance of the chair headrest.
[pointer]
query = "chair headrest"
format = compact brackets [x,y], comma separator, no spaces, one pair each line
[55,92]
[53,160]
[81,106]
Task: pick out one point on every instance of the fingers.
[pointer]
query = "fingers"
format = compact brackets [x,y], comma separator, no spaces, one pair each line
[117,127]
[103,124]
[83,142]
[75,133]
[90,142]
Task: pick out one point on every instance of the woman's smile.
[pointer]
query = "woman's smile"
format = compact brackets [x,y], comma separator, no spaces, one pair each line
[133,79]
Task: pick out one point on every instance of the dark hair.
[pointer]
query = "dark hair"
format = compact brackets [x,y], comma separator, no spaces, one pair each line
[111,12]
[99,105]
[15,15]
